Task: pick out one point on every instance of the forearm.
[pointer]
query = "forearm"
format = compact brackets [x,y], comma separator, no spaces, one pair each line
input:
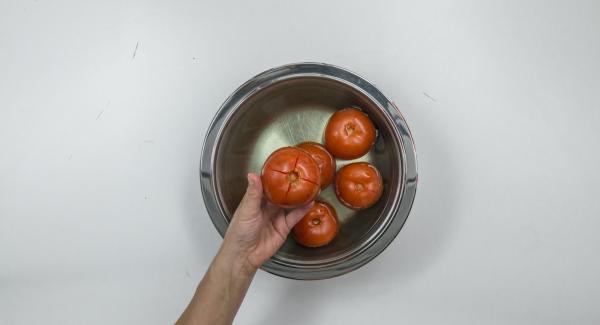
[255,233]
[221,291]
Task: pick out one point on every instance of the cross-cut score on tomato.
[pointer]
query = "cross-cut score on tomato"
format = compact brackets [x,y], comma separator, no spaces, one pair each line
[290,177]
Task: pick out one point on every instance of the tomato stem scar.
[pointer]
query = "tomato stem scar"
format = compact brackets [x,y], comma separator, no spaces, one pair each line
[349,128]
[293,176]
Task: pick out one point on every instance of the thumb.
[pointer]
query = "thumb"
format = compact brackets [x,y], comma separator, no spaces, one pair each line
[251,203]
[294,216]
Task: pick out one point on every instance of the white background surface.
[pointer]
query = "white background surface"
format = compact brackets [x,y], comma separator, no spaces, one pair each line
[101,216]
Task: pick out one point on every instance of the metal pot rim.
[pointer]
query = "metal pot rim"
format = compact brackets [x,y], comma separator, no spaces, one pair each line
[408,184]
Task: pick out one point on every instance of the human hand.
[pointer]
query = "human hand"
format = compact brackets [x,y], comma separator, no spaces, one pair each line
[255,233]
[258,228]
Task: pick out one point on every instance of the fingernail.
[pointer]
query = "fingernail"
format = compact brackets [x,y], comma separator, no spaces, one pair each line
[250,180]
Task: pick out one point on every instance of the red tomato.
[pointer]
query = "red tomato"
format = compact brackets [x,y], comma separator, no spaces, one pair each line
[323,158]
[349,134]
[358,185]
[318,227]
[290,177]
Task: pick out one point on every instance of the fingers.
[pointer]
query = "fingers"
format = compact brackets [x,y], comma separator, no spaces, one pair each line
[292,218]
[251,203]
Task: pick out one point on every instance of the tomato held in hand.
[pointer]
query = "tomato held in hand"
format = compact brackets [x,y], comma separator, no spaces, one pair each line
[318,227]
[349,134]
[358,185]
[323,158]
[290,177]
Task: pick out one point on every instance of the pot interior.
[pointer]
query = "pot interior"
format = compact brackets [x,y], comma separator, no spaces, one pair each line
[291,111]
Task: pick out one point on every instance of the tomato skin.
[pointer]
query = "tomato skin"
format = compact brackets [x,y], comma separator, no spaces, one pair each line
[358,185]
[318,227]
[349,134]
[323,158]
[290,177]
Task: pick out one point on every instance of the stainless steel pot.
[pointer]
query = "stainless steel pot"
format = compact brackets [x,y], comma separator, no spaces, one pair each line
[290,104]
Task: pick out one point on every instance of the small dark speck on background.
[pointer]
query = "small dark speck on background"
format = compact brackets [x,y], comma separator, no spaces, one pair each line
[135,50]
[102,111]
[429,96]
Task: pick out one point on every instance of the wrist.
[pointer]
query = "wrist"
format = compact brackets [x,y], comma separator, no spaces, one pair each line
[235,260]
